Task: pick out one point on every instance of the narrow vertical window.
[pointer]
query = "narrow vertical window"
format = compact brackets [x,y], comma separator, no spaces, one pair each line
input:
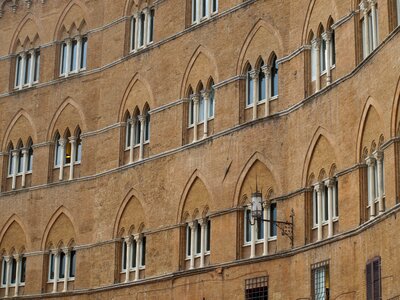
[249,87]
[247,226]
[63,60]
[72,264]
[133,32]
[143,262]
[273,217]
[261,85]
[73,58]
[10,162]
[151,25]
[333,49]
[201,109]
[124,255]
[325,206]
[128,129]
[274,77]
[147,127]
[138,124]
[67,156]
[22,270]
[320,280]
[18,66]
[203,8]
[313,64]
[83,53]
[57,151]
[191,112]
[61,267]
[51,266]
[208,235]
[20,161]
[188,241]
[4,272]
[336,200]
[214,6]
[142,24]
[13,270]
[260,229]
[194,11]
[37,66]
[315,207]
[198,238]
[27,71]
[323,55]
[373,279]
[133,253]
[211,102]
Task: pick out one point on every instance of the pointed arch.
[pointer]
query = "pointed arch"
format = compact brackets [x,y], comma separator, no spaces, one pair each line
[61,211]
[131,194]
[129,4]
[395,111]
[256,157]
[369,103]
[135,79]
[196,175]
[259,62]
[260,24]
[28,17]
[319,132]
[61,108]
[66,10]
[200,50]
[14,218]
[20,114]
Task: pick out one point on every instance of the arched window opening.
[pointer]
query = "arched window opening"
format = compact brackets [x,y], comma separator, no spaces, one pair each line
[211,103]
[147,126]
[67,156]
[249,87]
[274,77]
[10,160]
[78,146]
[128,129]
[20,161]
[57,150]
[261,84]
[191,106]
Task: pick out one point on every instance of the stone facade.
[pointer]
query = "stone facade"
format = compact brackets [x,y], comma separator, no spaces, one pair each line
[337,128]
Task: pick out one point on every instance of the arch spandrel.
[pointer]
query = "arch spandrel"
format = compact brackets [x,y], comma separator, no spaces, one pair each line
[13,238]
[372,129]
[197,202]
[61,231]
[27,35]
[73,20]
[258,177]
[322,158]
[132,218]
[138,96]
[20,127]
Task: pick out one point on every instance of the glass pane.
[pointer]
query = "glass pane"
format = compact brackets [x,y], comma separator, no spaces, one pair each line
[22,270]
[4,273]
[333,49]
[20,162]
[142,24]
[18,70]
[67,158]
[188,240]
[198,238]
[260,229]
[133,253]
[10,163]
[143,251]
[123,255]
[137,133]
[194,10]
[261,86]
[63,58]
[204,8]
[211,103]
[83,53]
[201,109]
[315,200]
[208,236]
[51,266]
[249,89]
[37,66]
[274,79]
[247,225]
[336,199]
[214,5]
[370,33]
[326,206]
[61,265]
[147,128]
[73,58]
[273,217]
[323,55]
[72,264]
[319,283]
[128,134]
[13,270]
[151,29]
[191,112]
[363,35]
[133,32]
[398,12]
[27,75]
[313,64]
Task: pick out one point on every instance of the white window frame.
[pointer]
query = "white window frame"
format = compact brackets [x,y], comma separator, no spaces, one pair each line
[81,55]
[21,68]
[247,223]
[3,265]
[52,257]
[249,81]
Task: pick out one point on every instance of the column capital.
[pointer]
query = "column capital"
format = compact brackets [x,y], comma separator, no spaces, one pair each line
[254,74]
[62,141]
[17,256]
[378,155]
[266,69]
[6,258]
[23,54]
[327,35]
[56,252]
[370,160]
[195,98]
[319,187]
[364,6]
[15,152]
[138,237]
[191,224]
[329,182]
[205,94]
[66,250]
[202,221]
[72,139]
[141,118]
[128,240]
[25,151]
[372,2]
[78,38]
[316,42]
[68,41]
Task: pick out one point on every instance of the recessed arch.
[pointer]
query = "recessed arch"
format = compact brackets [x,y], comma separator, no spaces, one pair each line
[20,117]
[26,24]
[61,212]
[14,219]
[256,157]
[77,120]
[213,67]
[395,124]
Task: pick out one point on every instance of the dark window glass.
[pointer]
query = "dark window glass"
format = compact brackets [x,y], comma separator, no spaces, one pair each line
[63,58]
[18,70]
[247,225]
[142,24]
[83,53]
[4,274]
[261,86]
[20,161]
[151,29]
[133,253]
[124,255]
[51,266]
[72,264]
[13,270]
[326,203]
[188,240]
[194,10]
[27,77]
[198,238]
[274,78]
[61,273]
[37,66]
[23,270]
[273,218]
[147,127]
[249,88]
[208,241]
[73,58]
[133,32]
[144,251]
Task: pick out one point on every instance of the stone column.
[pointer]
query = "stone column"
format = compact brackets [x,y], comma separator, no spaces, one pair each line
[192,244]
[146,18]
[327,36]
[316,44]
[319,189]
[202,223]
[253,237]
[266,229]
[17,258]
[379,158]
[56,269]
[32,69]
[68,57]
[198,17]
[67,253]
[72,141]
[128,262]
[142,120]
[8,260]
[78,52]
[131,123]
[254,77]
[330,184]
[15,154]
[22,70]
[206,97]
[196,99]
[364,10]
[62,142]
[138,239]
[25,152]
[371,185]
[374,24]
[267,72]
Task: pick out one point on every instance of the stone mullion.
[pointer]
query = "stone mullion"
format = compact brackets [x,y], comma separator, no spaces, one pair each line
[128,256]
[62,142]
[15,154]
[254,77]
[371,185]
[72,141]
[374,24]
[67,253]
[379,165]
[142,120]
[267,72]
[316,43]
[25,153]
[327,36]
[17,274]
[138,239]
[265,224]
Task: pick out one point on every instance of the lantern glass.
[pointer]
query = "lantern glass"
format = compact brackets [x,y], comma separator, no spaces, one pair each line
[256,205]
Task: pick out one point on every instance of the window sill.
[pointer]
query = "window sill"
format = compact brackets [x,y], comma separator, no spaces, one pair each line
[13,285]
[123,271]
[274,98]
[61,280]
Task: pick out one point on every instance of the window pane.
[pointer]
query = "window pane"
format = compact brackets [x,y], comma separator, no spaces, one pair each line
[61,265]
[133,253]
[315,207]
[137,132]
[147,128]
[370,32]
[10,163]
[20,162]
[51,266]
[83,53]
[63,60]
[363,35]
[22,270]
[249,89]
[191,112]
[313,64]
[198,238]
[201,109]
[127,133]
[123,249]
[323,55]
[142,24]
[208,236]
[4,273]
[27,74]
[336,198]
[325,206]
[274,79]
[37,66]
[333,49]
[319,283]
[18,70]
[260,229]
[73,58]
[151,25]
[214,5]
[247,225]
[211,103]
[194,10]
[188,240]
[273,218]
[13,271]
[78,151]
[67,157]
[398,12]
[143,251]
[204,8]
[72,264]
[261,86]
